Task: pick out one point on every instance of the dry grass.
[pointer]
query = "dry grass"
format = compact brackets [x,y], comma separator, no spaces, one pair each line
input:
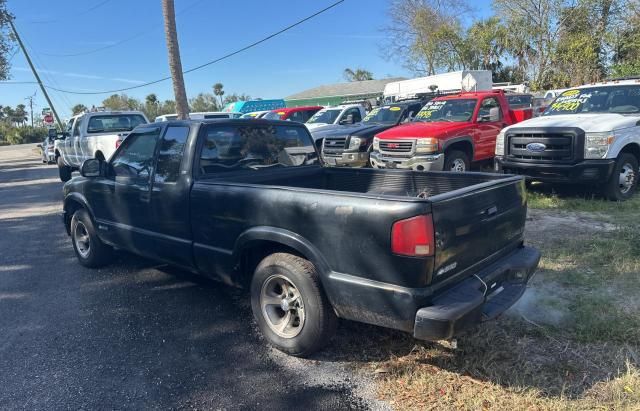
[588,359]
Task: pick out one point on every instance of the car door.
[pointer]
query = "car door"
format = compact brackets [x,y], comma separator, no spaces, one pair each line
[69,152]
[121,200]
[76,151]
[489,123]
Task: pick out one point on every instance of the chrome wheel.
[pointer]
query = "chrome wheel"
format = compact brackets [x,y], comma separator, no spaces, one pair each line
[627,178]
[282,306]
[81,239]
[458,165]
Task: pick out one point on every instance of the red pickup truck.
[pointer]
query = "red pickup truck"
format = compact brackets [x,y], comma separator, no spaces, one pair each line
[448,133]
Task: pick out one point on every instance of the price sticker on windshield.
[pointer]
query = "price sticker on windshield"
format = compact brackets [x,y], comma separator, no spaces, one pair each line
[570,100]
[372,114]
[394,108]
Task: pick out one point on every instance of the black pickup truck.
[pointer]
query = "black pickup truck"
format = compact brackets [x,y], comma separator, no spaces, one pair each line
[249,202]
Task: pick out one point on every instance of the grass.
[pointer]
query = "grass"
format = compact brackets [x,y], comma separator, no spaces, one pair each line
[590,360]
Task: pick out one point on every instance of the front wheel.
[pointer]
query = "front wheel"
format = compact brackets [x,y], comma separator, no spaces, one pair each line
[63,170]
[90,250]
[623,180]
[289,305]
[456,161]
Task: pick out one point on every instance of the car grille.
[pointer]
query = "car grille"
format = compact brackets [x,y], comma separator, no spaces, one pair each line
[396,146]
[334,144]
[559,146]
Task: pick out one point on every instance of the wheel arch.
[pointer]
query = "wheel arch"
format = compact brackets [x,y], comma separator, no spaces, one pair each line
[72,203]
[631,148]
[463,143]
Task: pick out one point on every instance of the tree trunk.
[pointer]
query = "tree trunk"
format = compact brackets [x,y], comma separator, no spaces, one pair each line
[173,49]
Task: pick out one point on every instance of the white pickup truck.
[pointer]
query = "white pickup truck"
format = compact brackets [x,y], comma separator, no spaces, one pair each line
[93,135]
[332,118]
[588,135]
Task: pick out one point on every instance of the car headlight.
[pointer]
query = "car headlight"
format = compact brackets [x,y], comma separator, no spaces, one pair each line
[500,144]
[354,143]
[596,145]
[376,143]
[426,145]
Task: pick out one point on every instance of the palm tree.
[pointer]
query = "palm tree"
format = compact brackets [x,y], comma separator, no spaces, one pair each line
[357,75]
[218,91]
[175,65]
[151,105]
[21,114]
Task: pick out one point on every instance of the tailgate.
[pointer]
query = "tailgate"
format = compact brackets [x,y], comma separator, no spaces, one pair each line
[473,225]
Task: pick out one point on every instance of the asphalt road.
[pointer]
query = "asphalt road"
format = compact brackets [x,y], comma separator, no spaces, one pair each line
[134,334]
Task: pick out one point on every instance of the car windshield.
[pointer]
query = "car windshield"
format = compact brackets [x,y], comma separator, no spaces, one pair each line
[608,99]
[325,116]
[273,115]
[458,110]
[231,148]
[114,122]
[385,115]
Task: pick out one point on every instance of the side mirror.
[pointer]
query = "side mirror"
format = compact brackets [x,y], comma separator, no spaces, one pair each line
[92,168]
[494,114]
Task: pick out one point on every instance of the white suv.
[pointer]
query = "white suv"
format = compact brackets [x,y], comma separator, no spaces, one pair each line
[588,135]
[93,135]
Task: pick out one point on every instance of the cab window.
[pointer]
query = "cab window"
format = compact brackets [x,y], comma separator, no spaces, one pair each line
[490,110]
[76,127]
[297,116]
[134,159]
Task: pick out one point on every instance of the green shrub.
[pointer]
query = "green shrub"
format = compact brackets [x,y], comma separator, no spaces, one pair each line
[25,135]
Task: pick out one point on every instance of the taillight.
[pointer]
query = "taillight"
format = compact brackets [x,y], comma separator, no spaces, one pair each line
[118,142]
[413,236]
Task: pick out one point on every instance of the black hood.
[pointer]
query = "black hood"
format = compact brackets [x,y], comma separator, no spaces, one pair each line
[359,130]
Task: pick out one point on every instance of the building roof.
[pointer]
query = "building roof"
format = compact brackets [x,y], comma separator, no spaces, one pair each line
[354,88]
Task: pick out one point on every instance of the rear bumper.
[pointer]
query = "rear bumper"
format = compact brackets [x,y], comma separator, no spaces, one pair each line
[434,162]
[430,313]
[348,159]
[587,171]
[481,297]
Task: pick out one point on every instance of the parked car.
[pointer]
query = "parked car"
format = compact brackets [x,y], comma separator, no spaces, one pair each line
[332,117]
[47,148]
[93,135]
[449,133]
[299,114]
[351,145]
[588,135]
[249,203]
[200,115]
[255,114]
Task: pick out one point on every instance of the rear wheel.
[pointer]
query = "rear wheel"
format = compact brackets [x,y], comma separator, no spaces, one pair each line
[623,180]
[289,306]
[90,250]
[63,170]
[456,161]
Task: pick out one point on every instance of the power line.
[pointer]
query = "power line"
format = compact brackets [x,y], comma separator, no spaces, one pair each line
[66,18]
[119,42]
[226,56]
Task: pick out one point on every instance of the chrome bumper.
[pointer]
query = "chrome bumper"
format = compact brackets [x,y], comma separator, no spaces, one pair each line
[431,162]
[354,159]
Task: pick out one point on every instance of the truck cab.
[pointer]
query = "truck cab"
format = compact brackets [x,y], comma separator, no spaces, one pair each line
[93,135]
[588,135]
[334,117]
[449,133]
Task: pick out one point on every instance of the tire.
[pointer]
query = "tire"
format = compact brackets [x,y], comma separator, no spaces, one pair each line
[456,161]
[90,250]
[624,179]
[63,170]
[310,320]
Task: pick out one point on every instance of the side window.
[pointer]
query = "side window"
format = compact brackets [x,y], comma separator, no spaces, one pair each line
[356,115]
[76,127]
[135,158]
[170,155]
[70,126]
[297,116]
[490,110]
[307,115]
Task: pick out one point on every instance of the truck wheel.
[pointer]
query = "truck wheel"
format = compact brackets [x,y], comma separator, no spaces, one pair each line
[456,161]
[63,170]
[622,183]
[90,250]
[289,306]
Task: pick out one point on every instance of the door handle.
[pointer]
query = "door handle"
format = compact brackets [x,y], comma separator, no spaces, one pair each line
[491,211]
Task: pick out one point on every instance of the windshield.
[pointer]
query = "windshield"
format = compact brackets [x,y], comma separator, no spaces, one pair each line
[274,115]
[386,114]
[459,110]
[609,99]
[325,116]
[231,148]
[114,123]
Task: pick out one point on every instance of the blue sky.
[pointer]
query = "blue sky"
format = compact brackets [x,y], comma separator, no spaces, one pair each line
[314,53]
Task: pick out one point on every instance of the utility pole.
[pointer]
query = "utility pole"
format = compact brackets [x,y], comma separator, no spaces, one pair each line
[30,98]
[175,65]
[35,73]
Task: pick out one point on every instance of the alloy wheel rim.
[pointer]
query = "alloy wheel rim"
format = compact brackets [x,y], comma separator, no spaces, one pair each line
[458,165]
[282,306]
[627,178]
[82,240]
